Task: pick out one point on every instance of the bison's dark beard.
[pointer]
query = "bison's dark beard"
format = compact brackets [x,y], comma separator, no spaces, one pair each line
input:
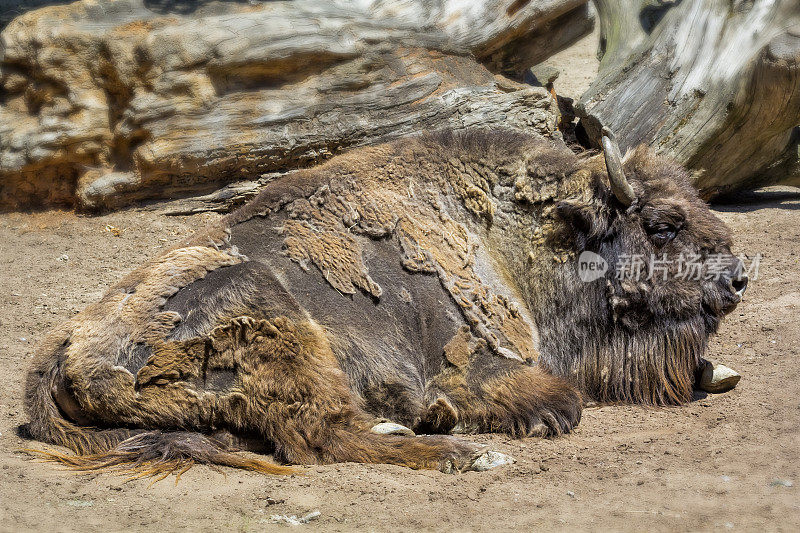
[610,362]
[652,367]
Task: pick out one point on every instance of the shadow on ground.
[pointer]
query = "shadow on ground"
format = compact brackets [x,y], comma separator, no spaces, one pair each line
[765,198]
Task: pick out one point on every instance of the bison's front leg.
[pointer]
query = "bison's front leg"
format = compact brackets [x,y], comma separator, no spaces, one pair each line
[291,390]
[480,391]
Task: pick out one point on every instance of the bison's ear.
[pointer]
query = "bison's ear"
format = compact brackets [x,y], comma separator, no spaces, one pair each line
[585,218]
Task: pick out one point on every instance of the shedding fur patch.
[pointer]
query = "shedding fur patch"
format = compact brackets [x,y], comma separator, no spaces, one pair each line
[334,252]
[110,338]
[458,349]
[328,230]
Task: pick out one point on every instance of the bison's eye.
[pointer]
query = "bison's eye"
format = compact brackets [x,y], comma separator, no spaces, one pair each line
[661,232]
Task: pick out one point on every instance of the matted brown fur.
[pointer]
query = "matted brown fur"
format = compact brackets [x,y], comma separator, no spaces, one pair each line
[430,281]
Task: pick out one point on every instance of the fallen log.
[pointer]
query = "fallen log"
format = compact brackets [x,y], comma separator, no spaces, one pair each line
[713,83]
[105,103]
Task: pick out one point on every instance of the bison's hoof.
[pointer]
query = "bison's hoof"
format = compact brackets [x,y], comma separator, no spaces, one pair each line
[489,460]
[480,461]
[718,378]
[390,428]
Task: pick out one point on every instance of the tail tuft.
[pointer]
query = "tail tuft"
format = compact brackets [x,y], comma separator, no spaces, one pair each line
[161,453]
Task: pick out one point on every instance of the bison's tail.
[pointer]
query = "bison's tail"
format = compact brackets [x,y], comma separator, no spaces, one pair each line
[161,453]
[137,452]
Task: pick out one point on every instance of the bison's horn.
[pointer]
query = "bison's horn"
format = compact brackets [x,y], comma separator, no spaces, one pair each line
[619,185]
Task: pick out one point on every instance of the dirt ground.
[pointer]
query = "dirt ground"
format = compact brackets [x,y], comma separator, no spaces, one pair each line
[728,461]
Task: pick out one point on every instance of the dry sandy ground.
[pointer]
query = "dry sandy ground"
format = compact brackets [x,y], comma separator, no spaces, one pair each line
[727,461]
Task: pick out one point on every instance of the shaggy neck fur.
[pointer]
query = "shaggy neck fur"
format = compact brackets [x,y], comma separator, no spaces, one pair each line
[581,337]
[582,341]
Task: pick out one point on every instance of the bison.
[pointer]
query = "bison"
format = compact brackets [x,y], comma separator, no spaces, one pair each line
[428,285]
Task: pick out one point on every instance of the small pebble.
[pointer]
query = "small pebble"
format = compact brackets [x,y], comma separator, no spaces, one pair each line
[63,258]
[570,494]
[782,483]
[79,503]
[293,520]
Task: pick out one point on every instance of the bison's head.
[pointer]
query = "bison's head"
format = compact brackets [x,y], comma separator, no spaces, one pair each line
[640,327]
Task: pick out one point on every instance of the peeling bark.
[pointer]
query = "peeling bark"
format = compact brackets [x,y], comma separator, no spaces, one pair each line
[713,83]
[106,103]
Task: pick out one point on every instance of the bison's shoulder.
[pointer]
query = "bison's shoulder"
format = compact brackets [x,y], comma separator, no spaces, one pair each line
[345,222]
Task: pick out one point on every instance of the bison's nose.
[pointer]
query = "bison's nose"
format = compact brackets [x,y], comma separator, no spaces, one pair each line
[740,285]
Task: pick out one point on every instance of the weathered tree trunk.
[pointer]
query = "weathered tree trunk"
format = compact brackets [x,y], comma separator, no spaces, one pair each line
[106,102]
[713,83]
[10,9]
